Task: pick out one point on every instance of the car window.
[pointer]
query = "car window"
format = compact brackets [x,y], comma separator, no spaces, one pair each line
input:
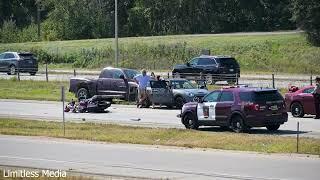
[182,85]
[106,73]
[116,74]
[260,96]
[228,62]
[2,56]
[226,96]
[212,97]
[8,56]
[194,61]
[308,91]
[206,61]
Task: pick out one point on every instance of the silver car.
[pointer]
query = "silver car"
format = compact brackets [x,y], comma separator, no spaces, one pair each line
[184,91]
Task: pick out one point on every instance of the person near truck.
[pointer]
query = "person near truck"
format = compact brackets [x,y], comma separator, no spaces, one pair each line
[142,80]
[316,95]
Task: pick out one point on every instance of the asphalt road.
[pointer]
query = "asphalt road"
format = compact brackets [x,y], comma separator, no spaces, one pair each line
[130,115]
[152,162]
[281,81]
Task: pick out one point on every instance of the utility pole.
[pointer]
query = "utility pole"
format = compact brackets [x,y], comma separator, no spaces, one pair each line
[116,32]
[38,19]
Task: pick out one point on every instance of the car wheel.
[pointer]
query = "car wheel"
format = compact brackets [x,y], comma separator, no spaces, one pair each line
[297,110]
[32,73]
[237,124]
[190,122]
[179,102]
[82,93]
[273,127]
[12,70]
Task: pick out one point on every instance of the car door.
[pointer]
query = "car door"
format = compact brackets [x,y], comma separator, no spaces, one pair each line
[308,101]
[161,93]
[118,86]
[224,107]
[104,82]
[2,64]
[206,110]
[190,69]
[8,59]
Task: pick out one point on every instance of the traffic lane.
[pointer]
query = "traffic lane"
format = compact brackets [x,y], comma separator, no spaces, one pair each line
[130,115]
[152,162]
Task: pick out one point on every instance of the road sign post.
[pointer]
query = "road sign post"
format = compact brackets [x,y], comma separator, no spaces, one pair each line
[63,117]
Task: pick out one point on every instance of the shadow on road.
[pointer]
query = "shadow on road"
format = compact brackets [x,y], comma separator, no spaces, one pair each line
[254,131]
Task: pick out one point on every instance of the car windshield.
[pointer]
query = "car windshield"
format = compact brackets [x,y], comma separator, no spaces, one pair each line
[182,85]
[131,73]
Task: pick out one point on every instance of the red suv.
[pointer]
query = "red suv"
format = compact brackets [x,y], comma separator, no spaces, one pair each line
[239,108]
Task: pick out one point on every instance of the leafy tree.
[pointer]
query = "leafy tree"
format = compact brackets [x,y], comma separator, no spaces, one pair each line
[307,16]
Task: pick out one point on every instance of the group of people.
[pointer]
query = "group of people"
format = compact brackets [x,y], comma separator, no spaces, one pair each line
[143,80]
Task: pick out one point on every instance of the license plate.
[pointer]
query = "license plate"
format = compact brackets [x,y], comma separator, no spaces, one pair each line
[231,70]
[274,107]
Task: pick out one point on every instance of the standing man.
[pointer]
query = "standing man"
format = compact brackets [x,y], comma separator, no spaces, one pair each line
[142,81]
[316,95]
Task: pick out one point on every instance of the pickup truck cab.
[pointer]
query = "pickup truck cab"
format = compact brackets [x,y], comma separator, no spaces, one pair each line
[116,82]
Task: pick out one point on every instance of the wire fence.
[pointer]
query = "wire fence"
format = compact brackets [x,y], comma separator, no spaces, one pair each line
[262,80]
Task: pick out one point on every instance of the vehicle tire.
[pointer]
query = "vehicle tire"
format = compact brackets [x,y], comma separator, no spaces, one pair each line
[190,121]
[82,93]
[12,70]
[273,127]
[297,110]
[179,102]
[33,73]
[237,124]
[169,106]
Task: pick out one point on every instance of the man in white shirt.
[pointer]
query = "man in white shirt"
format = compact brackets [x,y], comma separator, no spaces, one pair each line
[142,81]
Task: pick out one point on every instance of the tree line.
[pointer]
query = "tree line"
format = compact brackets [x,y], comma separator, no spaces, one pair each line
[86,19]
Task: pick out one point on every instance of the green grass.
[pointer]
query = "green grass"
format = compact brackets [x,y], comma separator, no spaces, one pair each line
[160,136]
[50,91]
[286,53]
[33,90]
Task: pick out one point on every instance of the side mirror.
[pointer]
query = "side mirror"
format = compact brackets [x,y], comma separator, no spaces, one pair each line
[188,64]
[122,76]
[202,87]
[200,100]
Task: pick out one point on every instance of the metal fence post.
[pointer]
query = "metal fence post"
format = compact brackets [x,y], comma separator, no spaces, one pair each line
[237,79]
[311,79]
[298,131]
[273,85]
[63,117]
[18,69]
[74,73]
[47,79]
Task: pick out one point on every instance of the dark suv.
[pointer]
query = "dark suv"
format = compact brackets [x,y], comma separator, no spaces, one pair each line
[238,108]
[215,68]
[11,62]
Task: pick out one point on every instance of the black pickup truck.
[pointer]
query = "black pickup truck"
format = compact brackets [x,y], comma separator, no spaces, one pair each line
[116,82]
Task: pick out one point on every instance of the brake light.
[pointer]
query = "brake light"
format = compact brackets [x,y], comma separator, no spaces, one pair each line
[253,106]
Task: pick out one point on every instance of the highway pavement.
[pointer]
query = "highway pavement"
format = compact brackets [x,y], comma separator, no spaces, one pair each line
[130,115]
[143,161]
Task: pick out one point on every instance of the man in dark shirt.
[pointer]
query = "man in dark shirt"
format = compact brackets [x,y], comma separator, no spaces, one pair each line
[316,95]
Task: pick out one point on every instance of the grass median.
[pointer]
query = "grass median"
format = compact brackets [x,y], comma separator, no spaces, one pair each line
[48,91]
[160,136]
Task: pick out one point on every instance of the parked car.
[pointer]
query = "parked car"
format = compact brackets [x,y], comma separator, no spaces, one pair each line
[238,108]
[116,82]
[300,101]
[11,62]
[214,68]
[184,91]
